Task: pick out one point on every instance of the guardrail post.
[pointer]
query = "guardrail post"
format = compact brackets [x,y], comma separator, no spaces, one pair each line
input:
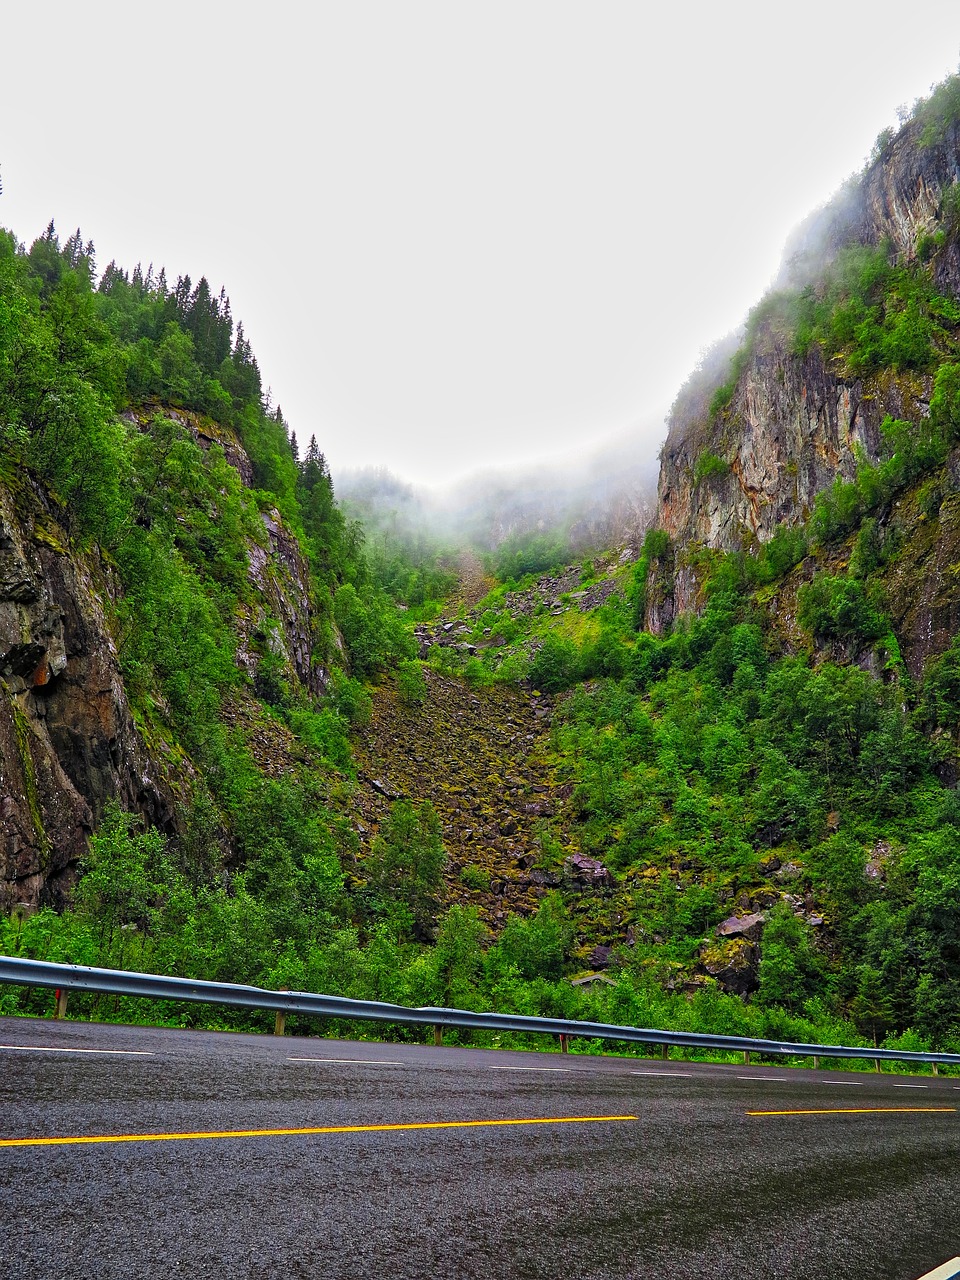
[564,1047]
[746,1057]
[935,1071]
[665,1052]
[876,1064]
[61,1007]
[438,1035]
[816,1062]
[280,1021]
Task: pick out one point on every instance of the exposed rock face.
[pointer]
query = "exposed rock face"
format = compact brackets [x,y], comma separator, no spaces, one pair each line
[796,423]
[68,740]
[283,614]
[901,196]
[922,591]
[750,926]
[68,743]
[793,426]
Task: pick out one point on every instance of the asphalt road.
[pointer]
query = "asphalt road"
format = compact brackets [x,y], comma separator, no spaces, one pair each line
[865,1183]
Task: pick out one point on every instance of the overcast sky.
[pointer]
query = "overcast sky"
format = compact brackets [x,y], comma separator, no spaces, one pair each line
[458,234]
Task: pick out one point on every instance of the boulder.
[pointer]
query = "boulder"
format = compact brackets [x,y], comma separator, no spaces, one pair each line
[750,926]
[587,871]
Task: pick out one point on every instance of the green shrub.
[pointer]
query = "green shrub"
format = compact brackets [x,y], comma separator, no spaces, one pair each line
[475,877]
[411,684]
[556,665]
[709,465]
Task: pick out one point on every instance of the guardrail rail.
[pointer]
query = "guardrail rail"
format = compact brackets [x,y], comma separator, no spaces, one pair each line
[18,971]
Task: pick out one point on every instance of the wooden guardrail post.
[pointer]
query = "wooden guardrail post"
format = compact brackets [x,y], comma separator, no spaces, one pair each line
[280,1021]
[746,1057]
[564,1046]
[816,1062]
[935,1071]
[438,1035]
[60,1011]
[665,1052]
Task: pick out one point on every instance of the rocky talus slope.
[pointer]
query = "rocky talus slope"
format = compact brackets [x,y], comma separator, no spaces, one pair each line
[481,757]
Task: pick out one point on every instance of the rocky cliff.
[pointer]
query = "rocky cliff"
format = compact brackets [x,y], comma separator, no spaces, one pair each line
[69,739]
[68,742]
[742,461]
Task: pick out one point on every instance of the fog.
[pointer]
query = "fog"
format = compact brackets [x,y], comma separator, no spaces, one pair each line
[605,499]
[458,236]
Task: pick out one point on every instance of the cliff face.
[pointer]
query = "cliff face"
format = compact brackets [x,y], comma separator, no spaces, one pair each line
[901,196]
[793,425]
[69,741]
[796,422]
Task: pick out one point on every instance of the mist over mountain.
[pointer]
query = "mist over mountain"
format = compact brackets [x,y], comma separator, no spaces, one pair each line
[605,498]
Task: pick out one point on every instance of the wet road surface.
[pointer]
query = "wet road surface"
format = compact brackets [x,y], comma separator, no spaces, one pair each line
[639,1169]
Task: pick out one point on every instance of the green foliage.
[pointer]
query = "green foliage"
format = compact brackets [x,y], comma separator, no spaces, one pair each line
[951,206]
[556,665]
[723,395]
[125,874]
[326,732]
[786,548]
[522,554]
[350,699]
[707,466]
[836,608]
[411,684]
[939,111]
[536,946]
[371,629]
[876,313]
[475,877]
[790,970]
[910,450]
[407,860]
[690,760]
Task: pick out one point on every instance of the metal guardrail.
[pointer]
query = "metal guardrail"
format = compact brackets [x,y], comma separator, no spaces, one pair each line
[68,977]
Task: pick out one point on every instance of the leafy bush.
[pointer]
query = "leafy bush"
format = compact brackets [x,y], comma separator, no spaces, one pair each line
[556,665]
[707,466]
[835,608]
[411,684]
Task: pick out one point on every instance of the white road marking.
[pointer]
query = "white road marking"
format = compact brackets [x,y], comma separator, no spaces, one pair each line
[949,1271]
[779,1079]
[910,1086]
[369,1062]
[682,1075]
[567,1069]
[856,1083]
[49,1048]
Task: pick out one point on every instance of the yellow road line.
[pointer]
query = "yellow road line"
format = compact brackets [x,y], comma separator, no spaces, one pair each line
[278,1133]
[855,1111]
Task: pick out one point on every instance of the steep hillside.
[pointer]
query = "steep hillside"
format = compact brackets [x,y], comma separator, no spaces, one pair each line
[168,574]
[866,315]
[481,758]
[68,741]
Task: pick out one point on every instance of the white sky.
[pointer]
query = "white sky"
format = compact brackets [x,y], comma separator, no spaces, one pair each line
[458,234]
